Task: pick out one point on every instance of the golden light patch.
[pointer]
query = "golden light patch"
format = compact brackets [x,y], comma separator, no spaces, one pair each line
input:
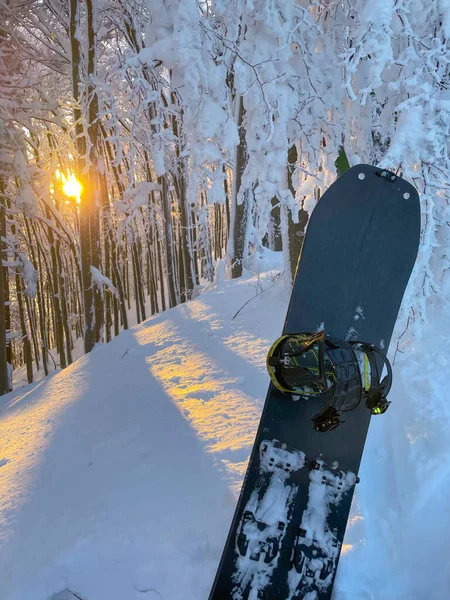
[71,186]
[220,414]
[248,347]
[27,429]
[206,394]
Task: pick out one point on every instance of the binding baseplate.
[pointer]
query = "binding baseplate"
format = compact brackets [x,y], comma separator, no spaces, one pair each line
[338,373]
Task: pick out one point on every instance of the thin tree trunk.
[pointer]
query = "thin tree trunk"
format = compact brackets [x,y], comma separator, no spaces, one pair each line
[126,275]
[115,307]
[240,210]
[27,354]
[227,203]
[152,271]
[106,217]
[7,307]
[36,258]
[185,262]
[296,231]
[97,190]
[65,312]
[168,231]
[32,322]
[194,248]
[118,283]
[138,252]
[4,380]
[41,304]
[84,210]
[135,282]
[162,291]
[55,281]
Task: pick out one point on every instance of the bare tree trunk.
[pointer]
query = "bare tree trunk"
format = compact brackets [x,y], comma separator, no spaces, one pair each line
[126,277]
[135,282]
[65,312]
[41,304]
[106,218]
[62,301]
[4,380]
[89,208]
[27,354]
[168,231]
[139,267]
[50,329]
[239,211]
[118,283]
[227,203]
[162,291]
[152,268]
[217,232]
[54,279]
[296,231]
[111,251]
[9,348]
[96,159]
[179,178]
[80,141]
[115,308]
[30,306]
[194,249]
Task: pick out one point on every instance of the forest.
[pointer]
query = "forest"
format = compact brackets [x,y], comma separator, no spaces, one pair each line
[147,145]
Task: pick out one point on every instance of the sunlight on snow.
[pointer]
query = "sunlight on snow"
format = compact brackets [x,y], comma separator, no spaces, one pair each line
[346,548]
[250,348]
[199,311]
[26,433]
[204,392]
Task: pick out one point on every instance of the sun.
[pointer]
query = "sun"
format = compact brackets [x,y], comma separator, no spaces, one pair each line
[72,187]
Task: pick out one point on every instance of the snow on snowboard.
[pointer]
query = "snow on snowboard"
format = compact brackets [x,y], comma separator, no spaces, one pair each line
[328,378]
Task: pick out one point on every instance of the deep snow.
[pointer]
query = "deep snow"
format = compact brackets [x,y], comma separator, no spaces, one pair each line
[119,475]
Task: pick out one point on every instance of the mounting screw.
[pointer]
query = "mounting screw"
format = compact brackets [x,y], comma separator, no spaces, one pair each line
[406,195]
[361,176]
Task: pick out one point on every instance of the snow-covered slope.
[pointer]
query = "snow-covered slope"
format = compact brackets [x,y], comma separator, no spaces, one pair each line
[119,475]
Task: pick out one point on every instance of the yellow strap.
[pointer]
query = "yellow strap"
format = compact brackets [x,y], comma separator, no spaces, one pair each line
[366,373]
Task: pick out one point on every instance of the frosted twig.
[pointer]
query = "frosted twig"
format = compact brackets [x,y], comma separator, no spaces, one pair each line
[258,293]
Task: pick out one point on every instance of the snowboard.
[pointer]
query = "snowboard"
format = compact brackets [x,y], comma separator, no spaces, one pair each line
[287,532]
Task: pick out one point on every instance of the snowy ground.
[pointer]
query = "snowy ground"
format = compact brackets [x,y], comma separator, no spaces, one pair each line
[119,476]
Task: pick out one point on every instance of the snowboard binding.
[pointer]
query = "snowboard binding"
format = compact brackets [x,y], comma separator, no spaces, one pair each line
[338,373]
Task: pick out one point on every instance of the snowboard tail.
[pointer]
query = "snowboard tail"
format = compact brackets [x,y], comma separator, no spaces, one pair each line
[287,532]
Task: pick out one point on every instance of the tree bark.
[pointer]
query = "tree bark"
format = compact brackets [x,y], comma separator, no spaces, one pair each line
[168,232]
[96,166]
[4,380]
[296,231]
[27,354]
[240,210]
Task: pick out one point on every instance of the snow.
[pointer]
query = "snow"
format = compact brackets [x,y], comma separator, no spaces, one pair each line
[119,475]
[265,518]
[101,280]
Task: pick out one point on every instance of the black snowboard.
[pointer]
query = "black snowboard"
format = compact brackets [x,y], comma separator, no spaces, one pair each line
[287,531]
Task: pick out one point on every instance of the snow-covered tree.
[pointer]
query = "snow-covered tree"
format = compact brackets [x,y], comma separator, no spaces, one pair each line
[198,129]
